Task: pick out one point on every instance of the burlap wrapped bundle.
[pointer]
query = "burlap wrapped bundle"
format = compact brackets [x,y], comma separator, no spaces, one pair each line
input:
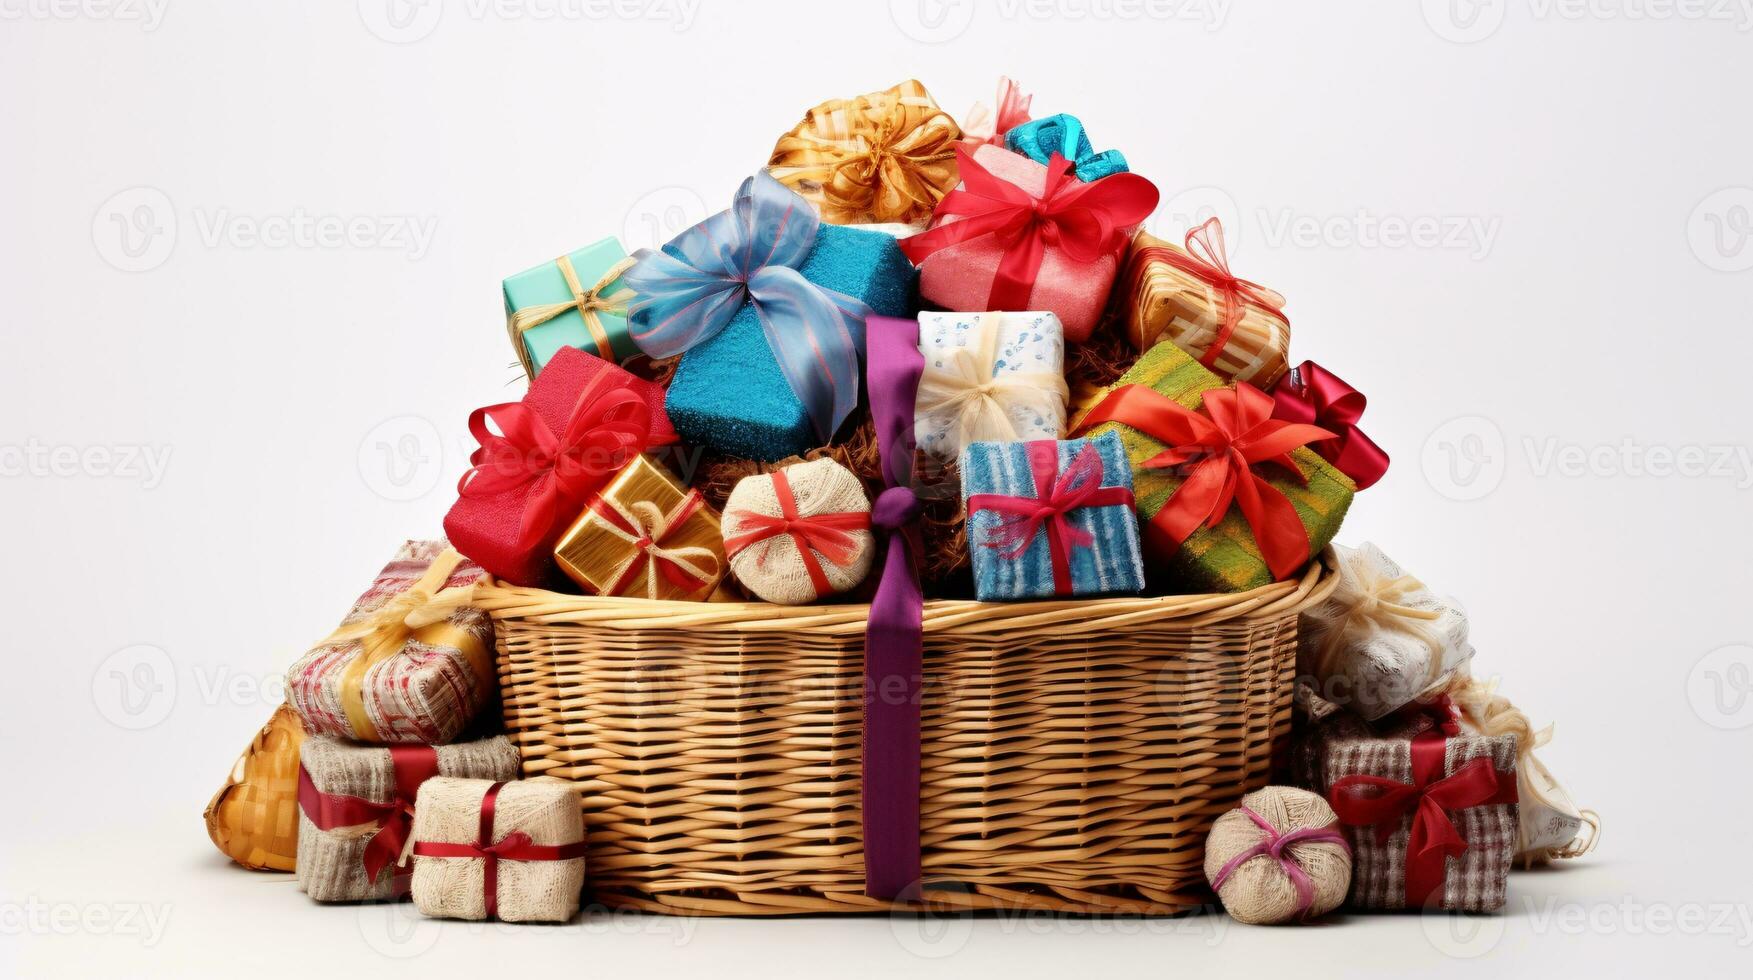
[1550,825]
[331,863]
[253,819]
[1382,639]
[800,532]
[1279,857]
[534,878]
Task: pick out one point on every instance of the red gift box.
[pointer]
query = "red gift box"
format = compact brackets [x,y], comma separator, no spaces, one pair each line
[582,419]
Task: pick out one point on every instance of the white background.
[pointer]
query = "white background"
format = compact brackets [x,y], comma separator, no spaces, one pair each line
[1582,311]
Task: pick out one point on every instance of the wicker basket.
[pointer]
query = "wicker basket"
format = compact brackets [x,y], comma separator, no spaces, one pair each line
[1074,753]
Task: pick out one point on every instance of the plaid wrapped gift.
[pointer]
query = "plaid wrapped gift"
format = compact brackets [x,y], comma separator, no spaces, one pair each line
[356,809]
[1432,819]
[1187,296]
[411,663]
[1051,518]
[885,157]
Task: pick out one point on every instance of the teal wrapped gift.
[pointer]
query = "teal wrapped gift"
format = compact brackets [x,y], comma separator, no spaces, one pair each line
[1039,139]
[577,300]
[766,305]
[1051,518]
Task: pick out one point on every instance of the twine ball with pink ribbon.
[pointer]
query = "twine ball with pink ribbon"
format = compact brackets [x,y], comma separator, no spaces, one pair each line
[1279,857]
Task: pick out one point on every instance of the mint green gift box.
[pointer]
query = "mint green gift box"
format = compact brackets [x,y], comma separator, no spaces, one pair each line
[567,303]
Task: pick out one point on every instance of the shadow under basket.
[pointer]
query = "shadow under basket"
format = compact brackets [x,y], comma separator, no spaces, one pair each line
[1074,754]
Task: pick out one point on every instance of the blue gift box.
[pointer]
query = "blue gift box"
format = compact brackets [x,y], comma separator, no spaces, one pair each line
[1039,139]
[1108,561]
[729,393]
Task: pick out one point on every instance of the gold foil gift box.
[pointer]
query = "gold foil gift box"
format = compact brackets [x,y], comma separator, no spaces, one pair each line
[645,535]
[1186,295]
[883,158]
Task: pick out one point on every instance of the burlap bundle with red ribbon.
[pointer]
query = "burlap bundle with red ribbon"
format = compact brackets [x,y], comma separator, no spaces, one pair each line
[508,850]
[356,809]
[799,533]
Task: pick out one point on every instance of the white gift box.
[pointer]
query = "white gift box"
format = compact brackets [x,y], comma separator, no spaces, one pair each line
[989,377]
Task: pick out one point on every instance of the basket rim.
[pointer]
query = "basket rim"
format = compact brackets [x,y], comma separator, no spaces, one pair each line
[1268,602]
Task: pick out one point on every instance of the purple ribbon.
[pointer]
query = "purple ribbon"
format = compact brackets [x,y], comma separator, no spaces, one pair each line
[1274,845]
[893,637]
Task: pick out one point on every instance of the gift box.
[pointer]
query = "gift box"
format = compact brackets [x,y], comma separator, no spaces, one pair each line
[766,306]
[1017,235]
[644,534]
[989,377]
[580,422]
[1431,818]
[495,849]
[1382,639]
[1187,296]
[577,300]
[1231,498]
[1051,518]
[886,157]
[800,532]
[253,819]
[356,808]
[411,663]
[1062,134]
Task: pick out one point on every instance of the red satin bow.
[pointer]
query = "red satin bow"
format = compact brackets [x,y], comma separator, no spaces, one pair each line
[1085,220]
[410,765]
[1221,448]
[677,576]
[1310,393]
[1057,495]
[610,424]
[1382,803]
[829,535]
[1206,259]
[515,847]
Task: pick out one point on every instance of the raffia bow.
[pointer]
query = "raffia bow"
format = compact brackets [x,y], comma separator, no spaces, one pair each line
[883,157]
[1369,598]
[590,303]
[976,400]
[422,611]
[644,526]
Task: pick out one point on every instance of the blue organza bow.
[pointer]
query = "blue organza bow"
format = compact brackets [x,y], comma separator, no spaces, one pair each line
[1039,139]
[691,290]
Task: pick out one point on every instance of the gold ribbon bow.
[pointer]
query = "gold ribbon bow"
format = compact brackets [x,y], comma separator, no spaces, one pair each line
[976,399]
[650,525]
[421,612]
[878,158]
[590,304]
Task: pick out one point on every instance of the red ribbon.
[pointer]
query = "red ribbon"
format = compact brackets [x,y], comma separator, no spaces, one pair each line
[829,535]
[1085,220]
[516,846]
[609,425]
[1206,259]
[678,576]
[1382,803]
[1056,495]
[410,766]
[1312,394]
[1221,446]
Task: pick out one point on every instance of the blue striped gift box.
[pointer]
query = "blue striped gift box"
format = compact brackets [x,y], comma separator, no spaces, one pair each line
[1114,564]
